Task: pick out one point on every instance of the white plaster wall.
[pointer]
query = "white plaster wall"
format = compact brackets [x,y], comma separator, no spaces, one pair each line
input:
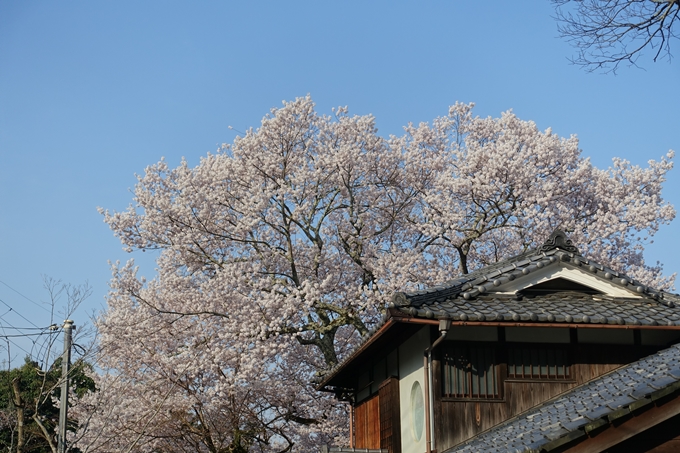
[410,371]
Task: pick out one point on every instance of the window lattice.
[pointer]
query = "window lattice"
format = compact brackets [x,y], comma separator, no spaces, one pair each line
[470,371]
[538,363]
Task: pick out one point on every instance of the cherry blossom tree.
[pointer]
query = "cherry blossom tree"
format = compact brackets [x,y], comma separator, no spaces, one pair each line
[498,186]
[278,251]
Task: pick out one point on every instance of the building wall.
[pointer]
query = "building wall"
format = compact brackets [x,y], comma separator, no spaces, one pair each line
[367,423]
[411,391]
[399,421]
[594,353]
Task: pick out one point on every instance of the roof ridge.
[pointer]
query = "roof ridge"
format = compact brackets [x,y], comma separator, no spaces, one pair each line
[558,239]
[557,248]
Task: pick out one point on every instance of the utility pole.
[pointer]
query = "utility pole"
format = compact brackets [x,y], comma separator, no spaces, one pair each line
[63,406]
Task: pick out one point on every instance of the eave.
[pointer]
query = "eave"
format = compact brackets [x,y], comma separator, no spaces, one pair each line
[395,328]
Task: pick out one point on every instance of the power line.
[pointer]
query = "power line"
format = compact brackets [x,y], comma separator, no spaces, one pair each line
[53,326]
[19,314]
[31,301]
[29,334]
[7,337]
[10,341]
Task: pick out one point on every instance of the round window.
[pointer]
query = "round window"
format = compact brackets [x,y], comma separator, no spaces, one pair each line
[417,411]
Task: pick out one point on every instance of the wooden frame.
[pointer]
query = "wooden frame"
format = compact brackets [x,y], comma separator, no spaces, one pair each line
[538,362]
[478,356]
[502,368]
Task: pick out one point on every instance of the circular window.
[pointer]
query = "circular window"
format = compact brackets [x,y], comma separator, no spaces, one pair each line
[417,411]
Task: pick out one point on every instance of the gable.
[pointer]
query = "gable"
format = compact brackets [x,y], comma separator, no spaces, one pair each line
[553,283]
[557,285]
[560,277]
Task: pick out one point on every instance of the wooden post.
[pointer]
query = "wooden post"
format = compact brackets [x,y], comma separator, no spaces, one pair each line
[351,425]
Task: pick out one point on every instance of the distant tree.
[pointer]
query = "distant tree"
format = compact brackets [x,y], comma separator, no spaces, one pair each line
[29,403]
[610,32]
[278,251]
[30,395]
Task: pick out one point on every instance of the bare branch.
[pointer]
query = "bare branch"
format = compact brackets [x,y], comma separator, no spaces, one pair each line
[607,33]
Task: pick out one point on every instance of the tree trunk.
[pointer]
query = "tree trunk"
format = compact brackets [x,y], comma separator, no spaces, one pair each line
[46,434]
[462,261]
[19,405]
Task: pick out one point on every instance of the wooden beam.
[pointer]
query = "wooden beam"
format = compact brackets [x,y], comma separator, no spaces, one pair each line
[376,335]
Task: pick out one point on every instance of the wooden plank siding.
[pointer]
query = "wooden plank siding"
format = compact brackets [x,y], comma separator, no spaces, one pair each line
[377,421]
[367,426]
[390,417]
[457,420]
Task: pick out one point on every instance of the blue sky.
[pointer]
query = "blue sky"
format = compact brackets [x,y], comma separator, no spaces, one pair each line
[93,92]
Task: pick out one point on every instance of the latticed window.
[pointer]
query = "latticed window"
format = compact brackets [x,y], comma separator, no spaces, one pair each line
[470,371]
[531,362]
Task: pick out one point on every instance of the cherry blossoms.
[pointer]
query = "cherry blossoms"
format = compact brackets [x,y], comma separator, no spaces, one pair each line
[278,251]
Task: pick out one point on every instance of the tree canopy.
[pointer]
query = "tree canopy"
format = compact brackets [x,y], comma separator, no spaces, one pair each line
[29,405]
[279,250]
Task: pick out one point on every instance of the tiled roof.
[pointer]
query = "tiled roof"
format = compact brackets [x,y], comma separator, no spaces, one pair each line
[471,297]
[583,408]
[563,307]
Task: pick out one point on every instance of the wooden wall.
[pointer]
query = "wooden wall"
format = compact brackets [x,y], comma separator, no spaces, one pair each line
[377,422]
[390,419]
[367,423]
[458,420]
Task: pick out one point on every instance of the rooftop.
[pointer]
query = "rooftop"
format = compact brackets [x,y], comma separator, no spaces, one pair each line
[483,296]
[491,295]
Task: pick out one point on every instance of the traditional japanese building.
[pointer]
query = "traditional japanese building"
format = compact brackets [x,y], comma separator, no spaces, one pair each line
[546,351]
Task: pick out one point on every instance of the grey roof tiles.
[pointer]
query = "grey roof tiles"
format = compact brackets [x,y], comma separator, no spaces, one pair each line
[564,307]
[471,297]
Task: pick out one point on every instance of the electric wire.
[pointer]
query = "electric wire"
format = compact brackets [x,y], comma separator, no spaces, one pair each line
[25,332]
[29,334]
[31,301]
[10,338]
[18,314]
[53,326]
[16,345]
